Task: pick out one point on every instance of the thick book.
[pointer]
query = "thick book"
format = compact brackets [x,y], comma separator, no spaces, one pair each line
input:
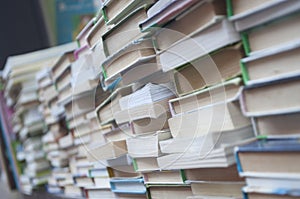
[114,11]
[152,110]
[164,177]
[216,158]
[203,144]
[248,14]
[268,156]
[217,67]
[146,146]
[212,95]
[213,174]
[151,125]
[273,181]
[106,151]
[281,125]
[217,188]
[124,32]
[128,58]
[215,34]
[219,117]
[148,94]
[276,33]
[166,191]
[274,63]
[271,98]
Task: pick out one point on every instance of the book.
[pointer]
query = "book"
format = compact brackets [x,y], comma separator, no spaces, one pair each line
[153,110]
[164,177]
[208,70]
[273,181]
[273,34]
[82,181]
[114,11]
[207,39]
[226,116]
[247,15]
[150,125]
[203,144]
[94,36]
[165,13]
[110,106]
[129,186]
[259,192]
[127,29]
[109,150]
[94,193]
[183,24]
[98,173]
[255,99]
[63,80]
[273,155]
[122,132]
[277,125]
[73,191]
[80,38]
[213,174]
[149,94]
[80,104]
[227,189]
[214,158]
[269,64]
[62,64]
[128,58]
[212,95]
[145,164]
[169,191]
[146,146]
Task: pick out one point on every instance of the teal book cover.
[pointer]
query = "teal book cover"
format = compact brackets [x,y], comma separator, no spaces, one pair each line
[72,16]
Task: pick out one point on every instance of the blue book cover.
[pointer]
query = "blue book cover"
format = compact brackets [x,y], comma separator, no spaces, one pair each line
[128,186]
[270,192]
[72,16]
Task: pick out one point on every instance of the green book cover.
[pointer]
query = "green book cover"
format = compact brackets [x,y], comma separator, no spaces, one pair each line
[229,8]
[244,70]
[135,166]
[246,43]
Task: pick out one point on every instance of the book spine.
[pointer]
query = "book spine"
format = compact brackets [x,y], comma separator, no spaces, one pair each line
[245,74]
[229,8]
[183,176]
[103,10]
[135,166]
[238,162]
[246,43]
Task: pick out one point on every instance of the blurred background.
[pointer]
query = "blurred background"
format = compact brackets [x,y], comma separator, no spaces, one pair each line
[36,24]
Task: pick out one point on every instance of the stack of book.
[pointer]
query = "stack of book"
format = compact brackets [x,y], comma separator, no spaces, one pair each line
[156,97]
[270,36]
[269,166]
[57,157]
[21,92]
